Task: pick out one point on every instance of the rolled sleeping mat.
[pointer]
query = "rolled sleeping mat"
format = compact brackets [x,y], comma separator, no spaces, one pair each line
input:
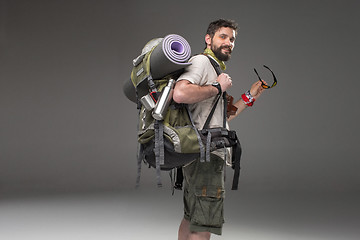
[128,86]
[129,90]
[170,55]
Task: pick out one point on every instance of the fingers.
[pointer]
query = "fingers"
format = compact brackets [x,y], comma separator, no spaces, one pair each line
[225,81]
[257,89]
[228,78]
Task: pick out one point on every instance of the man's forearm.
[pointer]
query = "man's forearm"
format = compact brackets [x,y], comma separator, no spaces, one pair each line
[186,92]
[240,107]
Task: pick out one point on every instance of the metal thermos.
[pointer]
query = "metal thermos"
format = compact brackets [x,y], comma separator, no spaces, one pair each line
[164,101]
[148,102]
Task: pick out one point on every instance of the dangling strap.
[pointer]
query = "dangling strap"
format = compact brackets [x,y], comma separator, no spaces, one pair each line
[140,157]
[208,146]
[236,164]
[172,175]
[159,149]
[139,154]
[225,109]
[161,144]
[177,178]
[224,122]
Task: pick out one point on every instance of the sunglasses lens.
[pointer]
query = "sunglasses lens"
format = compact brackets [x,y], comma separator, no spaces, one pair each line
[263,84]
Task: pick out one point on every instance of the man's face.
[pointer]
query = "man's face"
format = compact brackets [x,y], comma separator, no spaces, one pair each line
[222,43]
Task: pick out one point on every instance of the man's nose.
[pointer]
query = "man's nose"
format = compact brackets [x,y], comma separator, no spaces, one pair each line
[229,43]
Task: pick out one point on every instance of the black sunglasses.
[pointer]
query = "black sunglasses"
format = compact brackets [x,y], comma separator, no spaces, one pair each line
[263,84]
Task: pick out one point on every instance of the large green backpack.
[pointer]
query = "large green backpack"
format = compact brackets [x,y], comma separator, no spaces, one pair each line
[173,141]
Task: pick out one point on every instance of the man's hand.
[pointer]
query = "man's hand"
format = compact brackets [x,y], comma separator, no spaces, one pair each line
[256,89]
[225,81]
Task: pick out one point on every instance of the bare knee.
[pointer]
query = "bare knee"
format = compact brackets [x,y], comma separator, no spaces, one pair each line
[199,236]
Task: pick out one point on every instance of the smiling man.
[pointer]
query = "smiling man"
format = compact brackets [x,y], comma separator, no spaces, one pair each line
[198,87]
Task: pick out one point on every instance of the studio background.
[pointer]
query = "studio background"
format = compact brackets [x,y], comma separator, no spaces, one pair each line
[66,126]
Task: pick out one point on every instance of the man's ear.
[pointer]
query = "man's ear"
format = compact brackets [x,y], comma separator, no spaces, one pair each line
[208,39]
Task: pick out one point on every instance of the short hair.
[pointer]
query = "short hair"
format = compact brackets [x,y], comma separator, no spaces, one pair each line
[216,25]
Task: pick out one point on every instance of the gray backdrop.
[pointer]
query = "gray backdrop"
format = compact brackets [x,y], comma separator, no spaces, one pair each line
[66,126]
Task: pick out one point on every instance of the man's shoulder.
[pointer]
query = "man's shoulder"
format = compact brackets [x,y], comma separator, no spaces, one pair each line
[199,57]
[195,72]
[200,60]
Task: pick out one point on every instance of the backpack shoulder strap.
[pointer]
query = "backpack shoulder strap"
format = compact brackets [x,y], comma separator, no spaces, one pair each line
[218,72]
[215,65]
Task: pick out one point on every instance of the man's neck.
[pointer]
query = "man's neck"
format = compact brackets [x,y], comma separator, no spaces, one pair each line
[211,54]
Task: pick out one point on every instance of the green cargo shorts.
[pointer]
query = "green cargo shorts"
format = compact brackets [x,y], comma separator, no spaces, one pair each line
[204,195]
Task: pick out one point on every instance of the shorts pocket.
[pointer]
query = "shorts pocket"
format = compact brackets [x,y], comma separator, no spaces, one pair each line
[209,207]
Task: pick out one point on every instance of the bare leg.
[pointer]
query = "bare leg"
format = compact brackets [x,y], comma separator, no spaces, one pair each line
[199,236]
[184,230]
[185,234]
